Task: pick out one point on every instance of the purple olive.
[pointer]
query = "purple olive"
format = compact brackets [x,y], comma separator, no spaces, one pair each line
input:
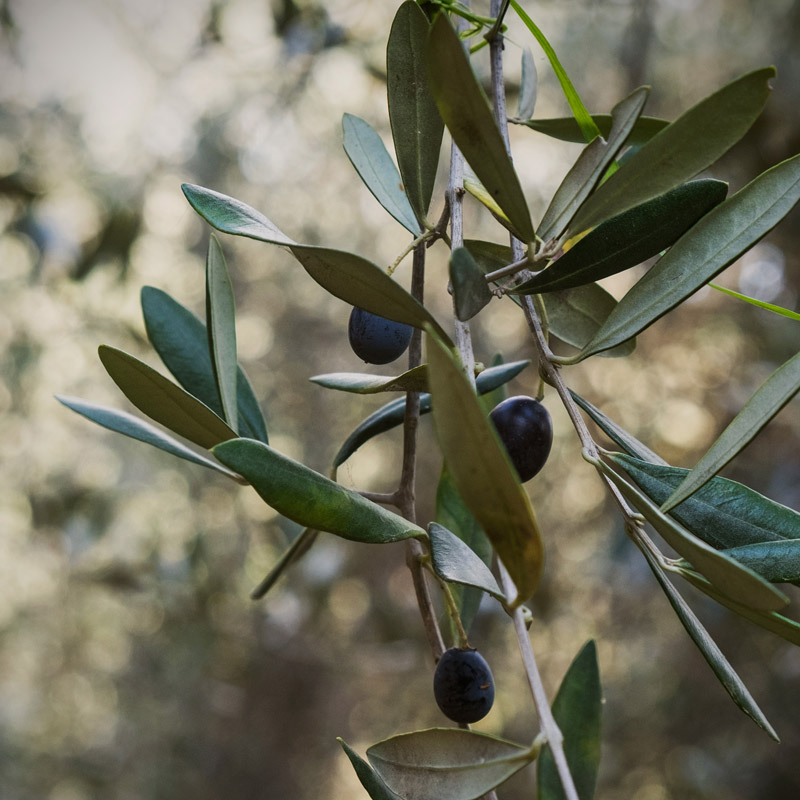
[463,685]
[375,339]
[526,430]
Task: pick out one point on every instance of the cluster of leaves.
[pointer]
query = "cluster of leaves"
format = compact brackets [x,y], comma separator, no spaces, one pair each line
[629,196]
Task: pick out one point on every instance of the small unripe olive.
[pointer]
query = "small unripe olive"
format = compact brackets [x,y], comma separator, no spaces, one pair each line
[463,685]
[526,430]
[375,339]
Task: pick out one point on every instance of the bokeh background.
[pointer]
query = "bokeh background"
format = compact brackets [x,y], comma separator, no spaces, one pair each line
[133,665]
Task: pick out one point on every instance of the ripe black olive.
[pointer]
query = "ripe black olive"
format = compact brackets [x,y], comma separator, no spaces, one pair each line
[375,339]
[463,685]
[526,430]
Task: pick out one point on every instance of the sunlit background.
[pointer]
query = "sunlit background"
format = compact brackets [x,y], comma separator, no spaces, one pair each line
[133,665]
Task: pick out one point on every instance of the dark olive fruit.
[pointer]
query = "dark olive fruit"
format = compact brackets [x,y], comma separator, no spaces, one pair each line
[463,685]
[526,430]
[375,339]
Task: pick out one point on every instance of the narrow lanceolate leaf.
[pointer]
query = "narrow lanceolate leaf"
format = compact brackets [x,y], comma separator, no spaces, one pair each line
[135,428]
[181,340]
[415,380]
[770,398]
[370,780]
[221,315]
[446,763]
[482,472]
[470,290]
[629,239]
[722,668]
[164,401]
[730,577]
[465,110]
[417,127]
[296,550]
[577,709]
[392,414]
[483,196]
[363,284]
[716,241]
[582,117]
[771,621]
[590,166]
[311,499]
[723,513]
[371,160]
[567,129]
[457,562]
[681,150]
[784,312]
[778,561]
[453,514]
[617,433]
[528,86]
[233,216]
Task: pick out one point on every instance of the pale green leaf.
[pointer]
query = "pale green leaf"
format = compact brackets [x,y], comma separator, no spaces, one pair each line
[415,380]
[370,780]
[528,86]
[784,312]
[567,129]
[456,562]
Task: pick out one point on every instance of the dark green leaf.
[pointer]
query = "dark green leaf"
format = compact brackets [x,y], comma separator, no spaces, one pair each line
[456,562]
[164,401]
[770,398]
[370,780]
[128,425]
[470,290]
[577,709]
[311,499]
[590,166]
[567,129]
[716,241]
[446,763]
[296,550]
[691,143]
[465,110]
[777,561]
[708,647]
[482,471]
[391,415]
[417,127]
[369,156]
[528,86]
[453,514]
[415,380]
[730,577]
[221,315]
[181,340]
[723,513]
[629,239]
[616,433]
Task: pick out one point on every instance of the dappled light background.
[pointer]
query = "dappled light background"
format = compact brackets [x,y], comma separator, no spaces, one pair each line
[132,662]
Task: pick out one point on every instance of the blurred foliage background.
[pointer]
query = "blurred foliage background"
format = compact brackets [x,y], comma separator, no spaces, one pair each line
[132,663]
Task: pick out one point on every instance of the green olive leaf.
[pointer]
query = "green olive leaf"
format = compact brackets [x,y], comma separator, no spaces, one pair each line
[164,401]
[414,380]
[722,668]
[310,499]
[629,239]
[577,709]
[372,162]
[135,428]
[723,513]
[446,763]
[468,116]
[770,398]
[567,129]
[784,312]
[471,292]
[296,550]
[417,127]
[455,561]
[687,146]
[730,577]
[392,414]
[716,241]
[776,561]
[181,340]
[482,471]
[221,315]
[528,86]
[370,780]
[591,165]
